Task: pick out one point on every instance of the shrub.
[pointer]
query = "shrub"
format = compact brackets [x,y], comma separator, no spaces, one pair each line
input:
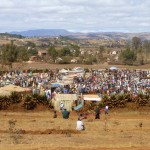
[29,102]
[4,102]
[15,97]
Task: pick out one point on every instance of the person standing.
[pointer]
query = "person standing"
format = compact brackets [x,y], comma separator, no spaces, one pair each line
[65,114]
[61,106]
[55,114]
[97,113]
[106,109]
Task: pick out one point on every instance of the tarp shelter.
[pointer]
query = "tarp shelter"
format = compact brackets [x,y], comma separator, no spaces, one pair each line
[56,84]
[67,99]
[78,69]
[113,68]
[12,88]
[91,97]
[63,71]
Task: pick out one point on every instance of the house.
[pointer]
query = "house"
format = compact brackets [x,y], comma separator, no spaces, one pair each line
[82,51]
[42,53]
[58,60]
[33,58]
[74,60]
[115,52]
[116,58]
[108,59]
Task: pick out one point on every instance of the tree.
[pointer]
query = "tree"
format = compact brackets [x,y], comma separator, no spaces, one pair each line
[65,51]
[76,49]
[128,56]
[32,52]
[23,54]
[30,44]
[146,49]
[52,52]
[9,54]
[146,46]
[99,55]
[136,44]
[101,49]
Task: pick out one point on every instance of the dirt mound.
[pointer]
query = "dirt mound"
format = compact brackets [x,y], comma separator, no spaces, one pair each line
[47,131]
[53,131]
[19,108]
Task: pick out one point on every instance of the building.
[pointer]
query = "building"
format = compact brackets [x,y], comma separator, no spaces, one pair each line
[74,61]
[42,53]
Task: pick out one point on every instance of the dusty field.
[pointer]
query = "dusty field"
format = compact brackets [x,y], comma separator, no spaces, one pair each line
[39,65]
[124,130]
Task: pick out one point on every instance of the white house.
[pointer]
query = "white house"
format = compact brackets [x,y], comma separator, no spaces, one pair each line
[73,60]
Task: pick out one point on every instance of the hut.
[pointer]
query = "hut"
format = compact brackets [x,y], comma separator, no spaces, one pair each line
[91,97]
[67,99]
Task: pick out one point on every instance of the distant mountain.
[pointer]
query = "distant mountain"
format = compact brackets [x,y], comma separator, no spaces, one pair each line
[42,33]
[78,35]
[111,35]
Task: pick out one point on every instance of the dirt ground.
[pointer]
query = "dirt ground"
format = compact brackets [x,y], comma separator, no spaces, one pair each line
[40,66]
[37,130]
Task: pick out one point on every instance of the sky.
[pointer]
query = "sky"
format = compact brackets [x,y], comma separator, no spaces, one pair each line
[75,15]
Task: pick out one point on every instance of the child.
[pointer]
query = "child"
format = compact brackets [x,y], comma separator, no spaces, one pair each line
[55,114]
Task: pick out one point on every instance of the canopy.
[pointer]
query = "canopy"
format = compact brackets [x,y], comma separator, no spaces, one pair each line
[92,98]
[113,68]
[64,97]
[78,69]
[63,71]
[56,84]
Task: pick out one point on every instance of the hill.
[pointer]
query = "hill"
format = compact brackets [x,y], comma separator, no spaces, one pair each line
[111,35]
[42,33]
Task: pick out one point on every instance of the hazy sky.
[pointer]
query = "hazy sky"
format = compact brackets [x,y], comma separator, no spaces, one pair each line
[75,15]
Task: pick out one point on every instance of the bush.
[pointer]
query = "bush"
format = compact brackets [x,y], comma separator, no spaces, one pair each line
[29,102]
[40,99]
[4,102]
[15,97]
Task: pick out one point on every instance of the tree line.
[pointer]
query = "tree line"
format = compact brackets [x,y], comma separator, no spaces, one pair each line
[136,52]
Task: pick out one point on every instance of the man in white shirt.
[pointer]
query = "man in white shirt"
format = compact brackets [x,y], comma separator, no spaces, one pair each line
[61,106]
[106,109]
[80,125]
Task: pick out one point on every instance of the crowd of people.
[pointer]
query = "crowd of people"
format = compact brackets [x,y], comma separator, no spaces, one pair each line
[95,81]
[110,82]
[92,82]
[35,81]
